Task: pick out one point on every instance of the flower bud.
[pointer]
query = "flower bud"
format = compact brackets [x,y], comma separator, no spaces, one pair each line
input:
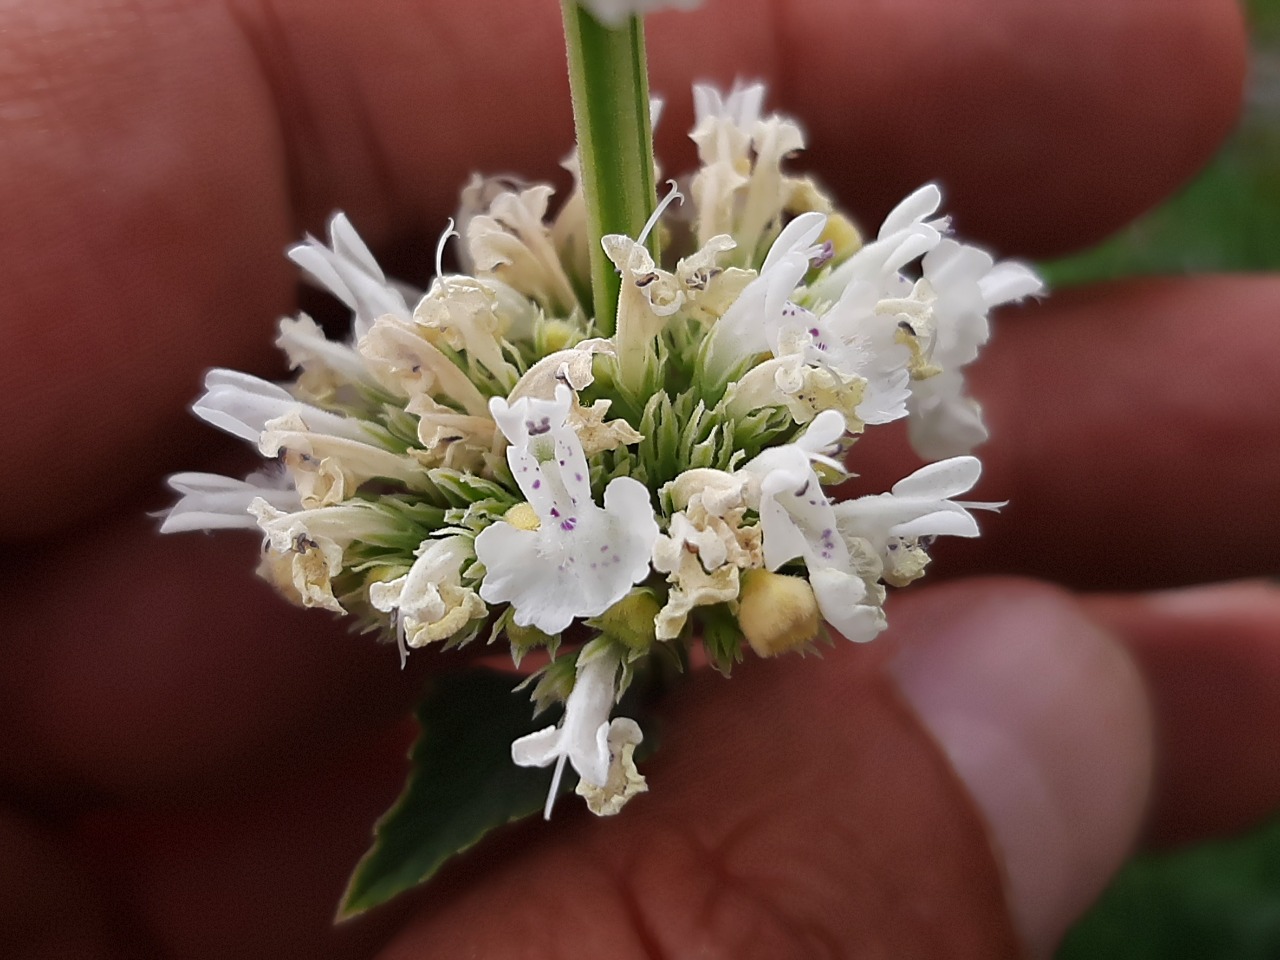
[525,639]
[777,613]
[523,517]
[630,621]
[556,335]
[843,237]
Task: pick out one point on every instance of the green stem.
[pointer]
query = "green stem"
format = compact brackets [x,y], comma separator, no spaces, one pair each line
[610,84]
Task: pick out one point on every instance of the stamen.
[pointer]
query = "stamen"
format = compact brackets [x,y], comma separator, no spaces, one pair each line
[669,199]
[555,787]
[449,231]
[397,624]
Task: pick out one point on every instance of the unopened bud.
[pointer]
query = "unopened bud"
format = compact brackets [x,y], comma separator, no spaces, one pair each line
[631,620]
[522,517]
[777,613]
[842,235]
[556,335]
[526,638]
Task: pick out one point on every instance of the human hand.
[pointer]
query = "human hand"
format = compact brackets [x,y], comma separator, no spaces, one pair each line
[192,767]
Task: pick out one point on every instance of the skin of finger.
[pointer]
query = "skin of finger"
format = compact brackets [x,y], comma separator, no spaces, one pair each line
[1044,716]
[257,874]
[1131,432]
[790,816]
[252,847]
[150,665]
[54,907]
[818,828]
[163,206]
[1212,659]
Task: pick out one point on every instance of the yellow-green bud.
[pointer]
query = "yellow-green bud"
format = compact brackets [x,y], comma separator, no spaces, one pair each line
[522,517]
[842,235]
[526,638]
[556,335]
[777,613]
[630,621]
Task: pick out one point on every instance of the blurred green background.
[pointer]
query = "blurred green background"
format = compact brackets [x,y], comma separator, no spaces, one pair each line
[1219,901]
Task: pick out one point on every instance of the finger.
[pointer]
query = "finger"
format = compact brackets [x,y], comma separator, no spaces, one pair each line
[1031,114]
[259,874]
[53,904]
[1131,432]
[799,807]
[1211,658]
[184,144]
[148,665]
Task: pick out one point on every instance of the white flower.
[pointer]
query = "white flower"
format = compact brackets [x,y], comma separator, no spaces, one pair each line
[752,324]
[722,124]
[303,551]
[705,546]
[581,559]
[213,502]
[919,505]
[243,405]
[585,736]
[328,455]
[329,371]
[962,284]
[406,358]
[348,270]
[430,602]
[614,13]
[624,781]
[512,243]
[740,188]
[799,521]
[573,368]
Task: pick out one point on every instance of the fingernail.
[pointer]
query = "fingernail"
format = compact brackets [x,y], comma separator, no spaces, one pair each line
[1045,720]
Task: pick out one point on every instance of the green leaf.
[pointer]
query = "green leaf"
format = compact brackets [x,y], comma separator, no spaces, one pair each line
[462,784]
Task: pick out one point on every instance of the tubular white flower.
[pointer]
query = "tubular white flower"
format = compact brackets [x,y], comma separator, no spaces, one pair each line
[348,270]
[740,188]
[243,405]
[961,284]
[430,602]
[752,324]
[462,311]
[705,545]
[416,365]
[798,520]
[512,243]
[574,368]
[919,505]
[583,736]
[303,551]
[213,502]
[329,370]
[723,122]
[581,559]
[905,235]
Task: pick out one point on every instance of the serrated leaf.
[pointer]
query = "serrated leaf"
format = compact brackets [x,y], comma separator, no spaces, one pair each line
[462,784]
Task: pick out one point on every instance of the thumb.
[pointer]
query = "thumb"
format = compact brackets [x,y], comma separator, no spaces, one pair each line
[804,808]
[1044,718]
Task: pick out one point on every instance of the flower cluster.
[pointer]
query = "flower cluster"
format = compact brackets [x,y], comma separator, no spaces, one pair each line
[488,457]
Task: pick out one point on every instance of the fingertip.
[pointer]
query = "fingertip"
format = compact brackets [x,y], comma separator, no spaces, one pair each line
[1045,719]
[1211,657]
